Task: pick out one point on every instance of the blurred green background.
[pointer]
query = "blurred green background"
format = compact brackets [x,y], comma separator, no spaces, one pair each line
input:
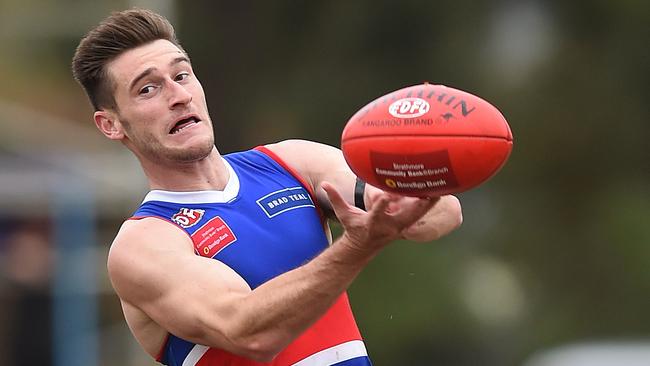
[554,250]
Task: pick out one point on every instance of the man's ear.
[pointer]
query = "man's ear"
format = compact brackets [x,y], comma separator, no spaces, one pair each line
[108,123]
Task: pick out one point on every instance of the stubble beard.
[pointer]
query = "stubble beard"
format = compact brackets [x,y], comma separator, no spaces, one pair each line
[151,148]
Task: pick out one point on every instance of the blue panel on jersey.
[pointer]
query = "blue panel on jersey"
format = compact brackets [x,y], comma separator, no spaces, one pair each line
[175,351]
[357,361]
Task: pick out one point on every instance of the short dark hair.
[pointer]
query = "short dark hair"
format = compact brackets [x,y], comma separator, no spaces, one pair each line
[118,33]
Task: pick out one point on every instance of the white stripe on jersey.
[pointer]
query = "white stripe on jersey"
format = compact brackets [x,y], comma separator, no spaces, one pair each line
[195,355]
[339,353]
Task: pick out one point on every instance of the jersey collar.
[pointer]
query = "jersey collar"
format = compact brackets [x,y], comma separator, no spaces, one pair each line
[228,194]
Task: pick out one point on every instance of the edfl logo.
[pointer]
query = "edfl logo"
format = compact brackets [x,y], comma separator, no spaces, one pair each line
[408,108]
[187,217]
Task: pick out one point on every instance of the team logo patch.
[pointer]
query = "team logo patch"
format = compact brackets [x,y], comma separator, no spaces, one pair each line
[284,200]
[213,237]
[188,217]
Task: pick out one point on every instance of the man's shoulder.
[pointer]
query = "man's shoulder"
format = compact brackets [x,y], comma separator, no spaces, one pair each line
[146,234]
[291,146]
[142,243]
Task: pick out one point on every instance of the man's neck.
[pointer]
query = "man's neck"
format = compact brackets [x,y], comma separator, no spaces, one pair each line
[209,173]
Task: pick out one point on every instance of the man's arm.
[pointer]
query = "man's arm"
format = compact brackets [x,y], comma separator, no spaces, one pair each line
[153,267]
[319,163]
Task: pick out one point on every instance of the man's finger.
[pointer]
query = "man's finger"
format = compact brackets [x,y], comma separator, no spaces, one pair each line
[339,204]
[414,211]
[380,206]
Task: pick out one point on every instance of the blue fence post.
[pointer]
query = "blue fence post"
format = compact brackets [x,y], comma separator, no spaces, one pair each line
[75,328]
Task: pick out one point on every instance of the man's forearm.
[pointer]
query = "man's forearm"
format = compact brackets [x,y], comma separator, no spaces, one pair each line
[278,311]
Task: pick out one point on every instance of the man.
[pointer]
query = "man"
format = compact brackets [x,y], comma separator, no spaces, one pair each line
[228,260]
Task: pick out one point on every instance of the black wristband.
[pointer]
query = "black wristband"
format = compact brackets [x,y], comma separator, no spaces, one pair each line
[359,189]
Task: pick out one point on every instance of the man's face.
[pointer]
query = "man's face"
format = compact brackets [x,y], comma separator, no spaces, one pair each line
[160,104]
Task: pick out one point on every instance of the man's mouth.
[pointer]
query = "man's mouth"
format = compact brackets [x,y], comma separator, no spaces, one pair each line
[183,123]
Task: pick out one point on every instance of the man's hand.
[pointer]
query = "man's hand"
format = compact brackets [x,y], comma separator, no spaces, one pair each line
[443,218]
[384,222]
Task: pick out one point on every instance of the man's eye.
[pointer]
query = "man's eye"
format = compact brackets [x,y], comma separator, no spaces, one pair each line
[146,90]
[182,76]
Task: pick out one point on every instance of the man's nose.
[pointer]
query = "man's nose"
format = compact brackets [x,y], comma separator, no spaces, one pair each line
[179,95]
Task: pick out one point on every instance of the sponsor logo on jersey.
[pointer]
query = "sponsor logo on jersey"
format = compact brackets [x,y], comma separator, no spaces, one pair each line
[213,237]
[188,217]
[408,108]
[285,200]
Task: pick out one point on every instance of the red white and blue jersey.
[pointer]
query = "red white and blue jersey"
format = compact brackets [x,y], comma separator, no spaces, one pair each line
[264,223]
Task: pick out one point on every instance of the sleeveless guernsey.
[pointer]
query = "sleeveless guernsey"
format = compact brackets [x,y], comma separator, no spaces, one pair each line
[264,223]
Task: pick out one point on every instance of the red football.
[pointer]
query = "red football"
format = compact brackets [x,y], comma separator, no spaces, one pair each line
[426,140]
